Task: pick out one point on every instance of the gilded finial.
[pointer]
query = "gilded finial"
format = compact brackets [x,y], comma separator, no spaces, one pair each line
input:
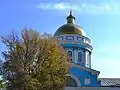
[70,18]
[70,15]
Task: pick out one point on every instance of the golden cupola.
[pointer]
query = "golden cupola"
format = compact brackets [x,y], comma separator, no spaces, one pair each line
[70,27]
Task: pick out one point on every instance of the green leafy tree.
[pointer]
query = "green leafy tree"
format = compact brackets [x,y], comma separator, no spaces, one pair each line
[34,62]
[1,85]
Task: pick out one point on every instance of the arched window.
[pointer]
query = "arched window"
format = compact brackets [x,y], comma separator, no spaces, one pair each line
[80,57]
[71,82]
[70,54]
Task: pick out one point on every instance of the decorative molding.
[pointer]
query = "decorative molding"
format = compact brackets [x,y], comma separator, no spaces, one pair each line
[79,39]
[69,37]
[78,44]
[60,38]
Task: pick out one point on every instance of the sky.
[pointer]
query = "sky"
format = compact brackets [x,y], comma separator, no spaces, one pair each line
[100,20]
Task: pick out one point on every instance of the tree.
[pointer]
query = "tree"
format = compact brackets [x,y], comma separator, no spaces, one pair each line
[2,86]
[34,62]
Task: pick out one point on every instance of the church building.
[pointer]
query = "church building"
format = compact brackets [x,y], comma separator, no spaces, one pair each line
[78,45]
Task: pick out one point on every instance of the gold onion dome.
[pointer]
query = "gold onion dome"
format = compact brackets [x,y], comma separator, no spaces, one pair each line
[70,27]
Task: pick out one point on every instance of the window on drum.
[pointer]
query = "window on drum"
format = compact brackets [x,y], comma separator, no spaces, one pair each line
[70,54]
[80,57]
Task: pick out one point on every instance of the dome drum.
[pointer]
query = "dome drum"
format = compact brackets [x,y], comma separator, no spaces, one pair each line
[73,39]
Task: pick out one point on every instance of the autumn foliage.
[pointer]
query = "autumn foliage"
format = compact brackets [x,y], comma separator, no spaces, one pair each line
[33,62]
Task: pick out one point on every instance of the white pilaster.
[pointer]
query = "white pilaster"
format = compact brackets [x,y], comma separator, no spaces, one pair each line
[75,55]
[90,59]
